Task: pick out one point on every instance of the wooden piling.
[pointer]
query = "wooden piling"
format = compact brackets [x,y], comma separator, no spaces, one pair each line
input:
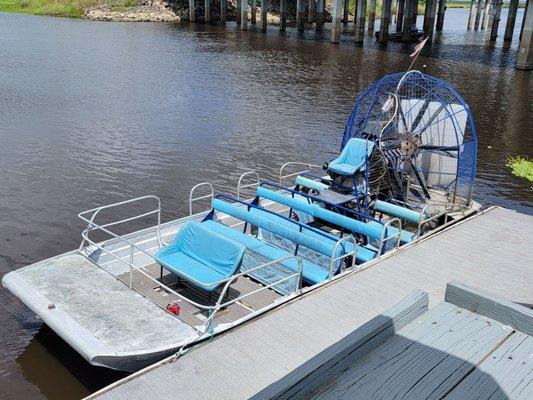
[440,15]
[238,12]
[207,11]
[320,4]
[486,13]
[345,15]
[523,20]
[385,21]
[300,15]
[336,21]
[223,8]
[472,15]
[511,20]
[264,15]
[310,11]
[494,20]
[394,12]
[282,15]
[429,17]
[244,14]
[479,13]
[360,20]
[372,17]
[400,14]
[253,18]
[525,50]
[192,11]
[408,19]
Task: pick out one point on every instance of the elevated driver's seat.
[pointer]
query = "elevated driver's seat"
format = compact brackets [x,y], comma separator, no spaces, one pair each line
[352,158]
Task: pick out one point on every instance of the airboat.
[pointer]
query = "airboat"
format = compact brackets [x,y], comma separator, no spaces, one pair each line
[127,298]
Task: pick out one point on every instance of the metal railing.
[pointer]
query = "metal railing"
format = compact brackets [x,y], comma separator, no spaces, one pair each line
[241,186]
[198,198]
[334,259]
[309,167]
[398,234]
[89,217]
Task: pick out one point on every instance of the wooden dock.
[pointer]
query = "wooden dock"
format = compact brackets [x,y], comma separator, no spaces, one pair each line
[490,251]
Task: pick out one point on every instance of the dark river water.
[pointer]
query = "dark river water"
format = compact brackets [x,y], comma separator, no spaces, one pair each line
[92,113]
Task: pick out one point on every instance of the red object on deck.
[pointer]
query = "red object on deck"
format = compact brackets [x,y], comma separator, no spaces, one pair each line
[173,309]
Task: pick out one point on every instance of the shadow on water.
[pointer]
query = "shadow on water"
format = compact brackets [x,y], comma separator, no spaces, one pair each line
[47,352]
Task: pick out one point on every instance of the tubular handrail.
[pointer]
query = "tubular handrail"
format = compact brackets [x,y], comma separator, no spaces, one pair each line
[308,165]
[397,234]
[240,186]
[193,199]
[351,253]
[91,225]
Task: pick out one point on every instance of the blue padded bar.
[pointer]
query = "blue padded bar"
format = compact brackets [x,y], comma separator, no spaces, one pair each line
[311,184]
[320,246]
[371,230]
[398,211]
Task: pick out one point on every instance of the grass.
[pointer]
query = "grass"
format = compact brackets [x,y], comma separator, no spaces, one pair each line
[61,8]
[521,167]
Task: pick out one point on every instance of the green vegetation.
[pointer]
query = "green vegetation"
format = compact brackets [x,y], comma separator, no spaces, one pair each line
[61,8]
[521,167]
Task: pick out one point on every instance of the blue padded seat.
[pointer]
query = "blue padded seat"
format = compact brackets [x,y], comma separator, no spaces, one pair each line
[201,256]
[312,273]
[352,157]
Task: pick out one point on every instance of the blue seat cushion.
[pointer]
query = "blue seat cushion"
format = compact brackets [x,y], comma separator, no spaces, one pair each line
[191,270]
[201,256]
[344,169]
[405,236]
[352,158]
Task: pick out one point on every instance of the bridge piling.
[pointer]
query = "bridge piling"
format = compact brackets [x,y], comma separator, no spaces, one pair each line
[399,16]
[472,15]
[385,21]
[264,16]
[310,13]
[336,21]
[525,49]
[253,18]
[300,15]
[372,17]
[282,15]
[320,4]
[207,11]
[244,14]
[511,20]
[345,16]
[479,13]
[440,15]
[494,20]
[360,19]
[486,14]
[409,19]
[192,13]
[223,8]
[429,17]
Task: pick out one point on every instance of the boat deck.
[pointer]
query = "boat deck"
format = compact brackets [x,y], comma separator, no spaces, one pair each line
[489,251]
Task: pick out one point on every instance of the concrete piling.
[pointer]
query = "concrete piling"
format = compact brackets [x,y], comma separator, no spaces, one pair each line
[320,4]
[385,21]
[525,49]
[479,13]
[238,14]
[440,15]
[409,19]
[244,14]
[486,13]
[253,18]
[192,13]
[223,8]
[472,15]
[264,17]
[336,21]
[346,12]
[300,15]
[511,20]
[371,17]
[429,17]
[310,11]
[494,20]
[207,11]
[360,19]
[400,14]
[282,15]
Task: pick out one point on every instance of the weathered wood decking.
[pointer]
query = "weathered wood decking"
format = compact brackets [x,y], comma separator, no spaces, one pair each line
[490,251]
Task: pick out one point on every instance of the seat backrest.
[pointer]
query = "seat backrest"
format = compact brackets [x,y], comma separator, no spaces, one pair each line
[355,151]
[210,248]
[372,231]
[323,247]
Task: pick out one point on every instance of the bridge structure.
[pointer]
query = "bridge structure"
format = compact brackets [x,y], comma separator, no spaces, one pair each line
[397,19]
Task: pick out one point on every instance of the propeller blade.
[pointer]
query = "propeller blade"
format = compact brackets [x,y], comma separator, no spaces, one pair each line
[420,114]
[431,119]
[420,180]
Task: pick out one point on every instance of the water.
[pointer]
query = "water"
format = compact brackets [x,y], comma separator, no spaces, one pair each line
[93,113]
